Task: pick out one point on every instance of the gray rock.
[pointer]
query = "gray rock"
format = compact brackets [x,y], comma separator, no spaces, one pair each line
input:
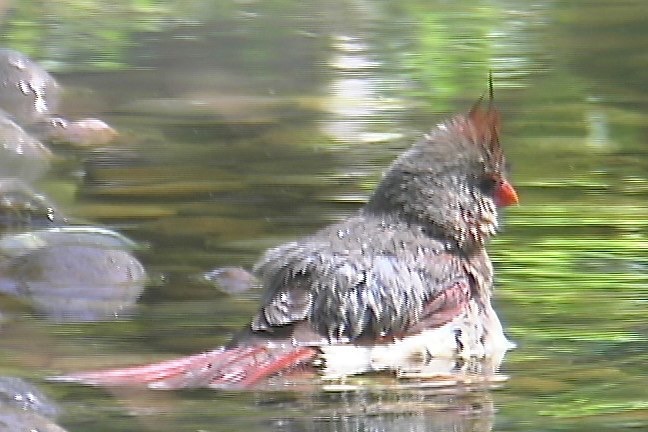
[72,273]
[20,394]
[23,208]
[16,420]
[79,282]
[27,91]
[232,280]
[21,155]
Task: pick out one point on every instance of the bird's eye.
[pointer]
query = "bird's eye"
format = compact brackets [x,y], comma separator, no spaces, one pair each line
[488,183]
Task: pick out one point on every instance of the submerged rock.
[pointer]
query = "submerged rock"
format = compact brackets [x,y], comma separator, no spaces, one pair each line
[21,155]
[23,208]
[80,283]
[21,394]
[88,132]
[29,95]
[24,408]
[27,91]
[72,273]
[232,280]
[15,245]
[16,420]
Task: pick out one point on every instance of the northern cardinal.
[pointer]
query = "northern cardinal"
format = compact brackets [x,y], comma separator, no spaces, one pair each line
[408,272]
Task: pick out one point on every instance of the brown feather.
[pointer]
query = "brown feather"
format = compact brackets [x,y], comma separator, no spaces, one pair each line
[482,126]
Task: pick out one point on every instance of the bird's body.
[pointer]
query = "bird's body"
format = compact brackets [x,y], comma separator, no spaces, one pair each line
[406,276]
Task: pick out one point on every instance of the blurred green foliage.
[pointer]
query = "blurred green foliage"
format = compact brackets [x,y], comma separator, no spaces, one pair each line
[60,29]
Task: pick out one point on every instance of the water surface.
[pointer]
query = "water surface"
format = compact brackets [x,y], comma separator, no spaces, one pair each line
[246,124]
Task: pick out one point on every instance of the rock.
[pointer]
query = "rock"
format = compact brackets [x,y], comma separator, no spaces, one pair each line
[23,208]
[16,420]
[21,155]
[88,132]
[27,91]
[72,273]
[20,394]
[232,280]
[15,245]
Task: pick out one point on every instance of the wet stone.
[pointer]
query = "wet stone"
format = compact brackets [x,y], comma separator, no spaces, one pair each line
[232,280]
[19,244]
[23,395]
[76,282]
[21,155]
[88,132]
[14,419]
[27,91]
[23,208]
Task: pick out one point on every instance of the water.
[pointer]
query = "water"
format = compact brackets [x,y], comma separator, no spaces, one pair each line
[246,124]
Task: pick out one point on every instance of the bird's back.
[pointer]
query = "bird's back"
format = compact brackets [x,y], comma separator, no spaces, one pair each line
[365,278]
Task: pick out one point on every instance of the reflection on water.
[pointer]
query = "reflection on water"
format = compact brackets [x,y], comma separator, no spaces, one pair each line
[417,411]
[356,98]
[229,145]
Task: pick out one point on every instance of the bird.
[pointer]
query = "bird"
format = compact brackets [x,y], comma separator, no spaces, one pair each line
[406,274]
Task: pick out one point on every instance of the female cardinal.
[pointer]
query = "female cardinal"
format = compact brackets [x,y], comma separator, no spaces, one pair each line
[407,275]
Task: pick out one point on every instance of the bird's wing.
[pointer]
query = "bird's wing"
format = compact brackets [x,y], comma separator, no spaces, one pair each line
[352,295]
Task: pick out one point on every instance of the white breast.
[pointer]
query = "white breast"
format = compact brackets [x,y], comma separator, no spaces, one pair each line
[474,335]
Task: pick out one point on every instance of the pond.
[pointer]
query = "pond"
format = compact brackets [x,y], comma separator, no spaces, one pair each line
[245,124]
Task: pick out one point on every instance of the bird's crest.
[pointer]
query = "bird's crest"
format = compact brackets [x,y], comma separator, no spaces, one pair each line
[482,125]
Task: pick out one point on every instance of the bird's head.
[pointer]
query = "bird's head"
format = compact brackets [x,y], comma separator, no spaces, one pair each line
[451,182]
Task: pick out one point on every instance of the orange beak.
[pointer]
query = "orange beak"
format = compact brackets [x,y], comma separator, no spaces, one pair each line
[505,194]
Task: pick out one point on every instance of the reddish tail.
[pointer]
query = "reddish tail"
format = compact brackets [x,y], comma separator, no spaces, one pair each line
[231,368]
